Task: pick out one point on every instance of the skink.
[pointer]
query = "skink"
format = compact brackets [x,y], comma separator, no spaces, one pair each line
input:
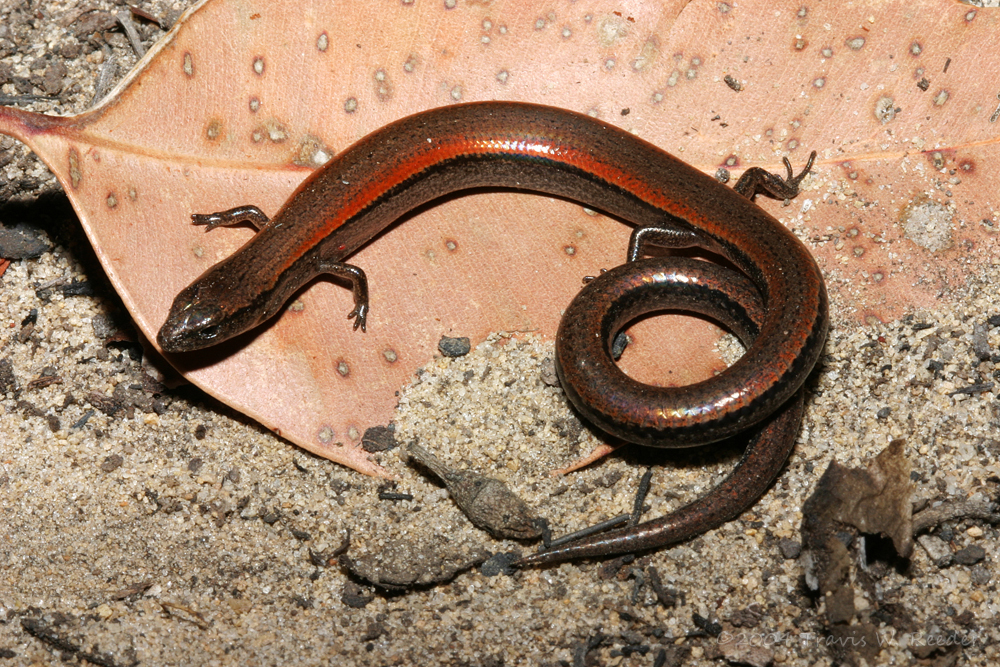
[502,144]
[417,159]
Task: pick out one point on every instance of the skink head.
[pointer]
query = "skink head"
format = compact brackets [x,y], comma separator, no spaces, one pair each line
[191,325]
[215,308]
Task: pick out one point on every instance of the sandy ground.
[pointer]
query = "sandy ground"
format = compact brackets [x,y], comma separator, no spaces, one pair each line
[146,525]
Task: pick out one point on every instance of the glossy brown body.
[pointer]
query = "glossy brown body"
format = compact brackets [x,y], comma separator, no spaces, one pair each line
[417,159]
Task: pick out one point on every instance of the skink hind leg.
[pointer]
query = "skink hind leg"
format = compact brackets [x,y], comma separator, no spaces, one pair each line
[231,217]
[754,181]
[359,287]
[763,459]
[757,180]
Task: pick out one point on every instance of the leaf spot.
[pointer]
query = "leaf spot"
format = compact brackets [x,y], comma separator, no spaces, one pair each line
[928,224]
[258,66]
[383,87]
[885,109]
[323,41]
[75,174]
[275,131]
[214,129]
[611,30]
[312,152]
[647,56]
[188,65]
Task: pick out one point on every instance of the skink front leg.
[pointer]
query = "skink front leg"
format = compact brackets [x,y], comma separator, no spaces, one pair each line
[231,217]
[359,288]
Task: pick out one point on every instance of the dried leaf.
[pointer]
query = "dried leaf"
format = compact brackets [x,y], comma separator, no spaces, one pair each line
[242,99]
[877,499]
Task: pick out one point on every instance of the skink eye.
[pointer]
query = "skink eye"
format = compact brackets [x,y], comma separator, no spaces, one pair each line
[208,333]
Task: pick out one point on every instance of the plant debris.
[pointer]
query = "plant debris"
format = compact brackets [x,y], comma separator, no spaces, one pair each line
[847,502]
[488,502]
[401,565]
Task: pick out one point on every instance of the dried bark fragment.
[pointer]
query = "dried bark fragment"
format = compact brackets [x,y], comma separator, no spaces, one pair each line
[874,500]
[379,439]
[487,502]
[401,565]
[740,652]
[22,242]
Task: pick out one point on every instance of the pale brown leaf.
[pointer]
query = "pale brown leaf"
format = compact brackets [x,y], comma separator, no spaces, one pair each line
[241,100]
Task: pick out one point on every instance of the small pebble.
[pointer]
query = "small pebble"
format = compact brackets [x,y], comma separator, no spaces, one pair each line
[454,347]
